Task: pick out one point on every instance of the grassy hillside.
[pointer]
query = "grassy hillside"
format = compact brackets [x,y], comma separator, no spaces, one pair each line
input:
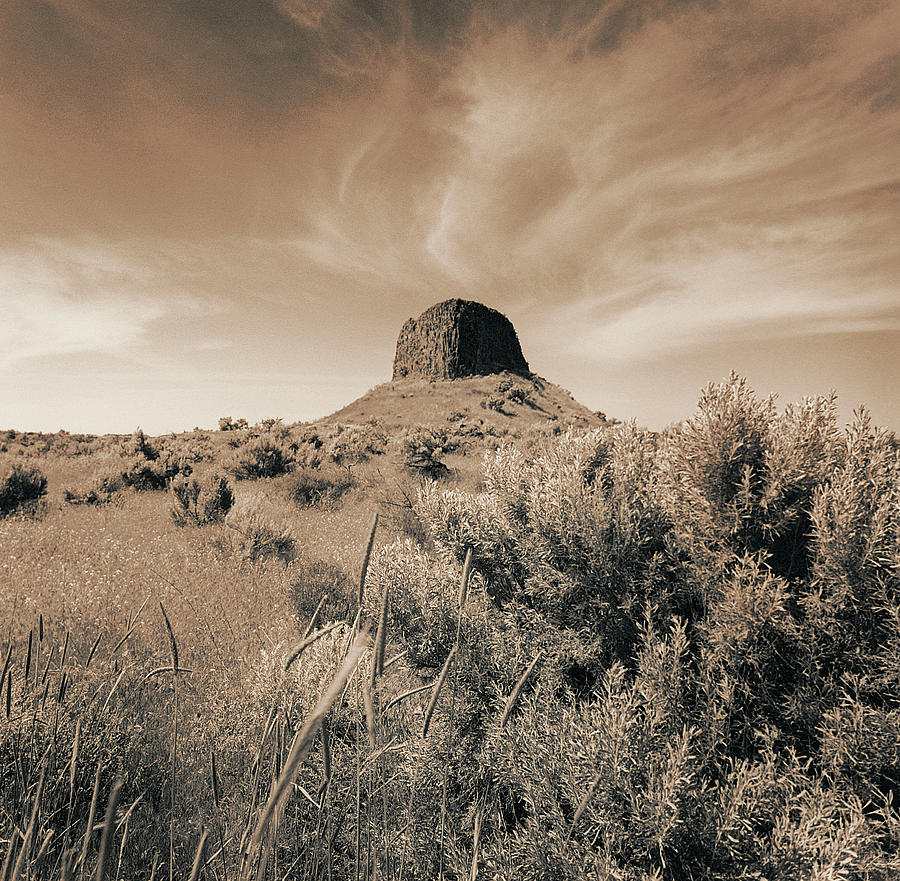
[504,402]
[579,650]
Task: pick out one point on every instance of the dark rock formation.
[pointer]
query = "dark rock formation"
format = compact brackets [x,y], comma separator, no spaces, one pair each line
[458,338]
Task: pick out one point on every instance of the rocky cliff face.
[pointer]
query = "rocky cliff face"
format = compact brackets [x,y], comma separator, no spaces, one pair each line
[458,338]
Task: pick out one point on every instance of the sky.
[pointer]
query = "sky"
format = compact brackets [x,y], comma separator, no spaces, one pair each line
[230,207]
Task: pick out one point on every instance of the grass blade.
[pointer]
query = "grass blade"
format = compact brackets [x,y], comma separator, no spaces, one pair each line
[367,556]
[214,777]
[90,656]
[306,736]
[307,641]
[29,832]
[464,580]
[582,805]
[6,664]
[381,635]
[109,822]
[90,823]
[405,695]
[198,857]
[438,685]
[315,616]
[511,702]
[173,644]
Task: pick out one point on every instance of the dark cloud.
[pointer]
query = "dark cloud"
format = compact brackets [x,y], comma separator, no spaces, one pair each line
[879,86]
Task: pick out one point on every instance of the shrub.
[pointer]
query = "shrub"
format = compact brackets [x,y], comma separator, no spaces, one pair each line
[569,531]
[317,579]
[20,488]
[423,594]
[739,477]
[192,450]
[307,455]
[153,474]
[226,423]
[350,445]
[309,487]
[494,402]
[139,445]
[138,473]
[420,450]
[101,490]
[852,604]
[258,533]
[518,395]
[262,457]
[199,502]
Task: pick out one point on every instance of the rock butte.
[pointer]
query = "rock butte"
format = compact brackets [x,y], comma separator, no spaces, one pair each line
[458,338]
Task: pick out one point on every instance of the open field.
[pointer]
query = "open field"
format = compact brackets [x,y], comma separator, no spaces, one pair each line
[581,651]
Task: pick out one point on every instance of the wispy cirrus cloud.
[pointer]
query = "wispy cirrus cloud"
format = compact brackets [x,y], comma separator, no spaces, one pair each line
[630,181]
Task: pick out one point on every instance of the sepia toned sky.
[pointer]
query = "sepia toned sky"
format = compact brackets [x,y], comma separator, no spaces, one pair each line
[229,207]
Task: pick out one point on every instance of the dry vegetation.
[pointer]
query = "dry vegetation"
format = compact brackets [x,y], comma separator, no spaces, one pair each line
[562,654]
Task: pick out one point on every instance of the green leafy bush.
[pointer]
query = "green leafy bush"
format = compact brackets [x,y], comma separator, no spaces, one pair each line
[20,488]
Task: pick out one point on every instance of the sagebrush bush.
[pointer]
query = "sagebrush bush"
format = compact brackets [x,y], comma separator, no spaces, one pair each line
[716,613]
[261,457]
[307,487]
[676,657]
[350,445]
[101,490]
[139,445]
[198,502]
[20,487]
[153,475]
[423,599]
[421,449]
[569,531]
[137,473]
[258,533]
[314,580]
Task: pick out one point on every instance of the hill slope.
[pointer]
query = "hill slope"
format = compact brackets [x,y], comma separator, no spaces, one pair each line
[505,401]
